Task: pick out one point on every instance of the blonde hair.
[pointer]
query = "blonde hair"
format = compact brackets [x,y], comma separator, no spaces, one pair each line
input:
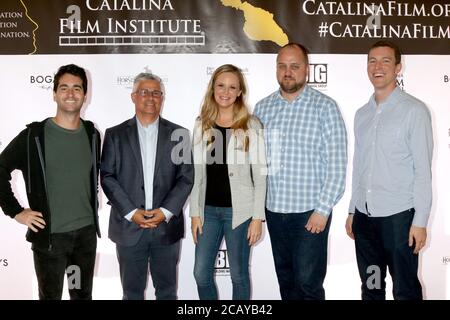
[209,111]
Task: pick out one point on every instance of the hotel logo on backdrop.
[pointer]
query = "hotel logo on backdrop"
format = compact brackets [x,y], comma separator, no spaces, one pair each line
[220,26]
[126,81]
[446,260]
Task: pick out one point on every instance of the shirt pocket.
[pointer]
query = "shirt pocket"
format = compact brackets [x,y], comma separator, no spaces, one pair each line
[388,135]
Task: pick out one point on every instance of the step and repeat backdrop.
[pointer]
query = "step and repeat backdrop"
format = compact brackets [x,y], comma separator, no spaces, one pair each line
[183,41]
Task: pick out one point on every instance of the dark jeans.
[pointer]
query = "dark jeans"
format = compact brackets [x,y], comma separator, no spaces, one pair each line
[382,242]
[300,256]
[73,251]
[217,225]
[135,261]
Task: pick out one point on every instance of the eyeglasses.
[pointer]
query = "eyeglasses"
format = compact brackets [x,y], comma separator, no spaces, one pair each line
[147,93]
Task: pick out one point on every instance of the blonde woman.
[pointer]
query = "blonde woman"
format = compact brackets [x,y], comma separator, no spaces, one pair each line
[229,190]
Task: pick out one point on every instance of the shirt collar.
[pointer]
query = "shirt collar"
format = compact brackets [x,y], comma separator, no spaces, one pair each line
[392,99]
[304,92]
[151,128]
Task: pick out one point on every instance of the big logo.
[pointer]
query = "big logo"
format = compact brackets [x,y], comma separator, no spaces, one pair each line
[318,75]
[222,266]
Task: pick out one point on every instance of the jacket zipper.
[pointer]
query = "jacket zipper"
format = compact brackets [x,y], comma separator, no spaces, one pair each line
[28,162]
[94,166]
[41,160]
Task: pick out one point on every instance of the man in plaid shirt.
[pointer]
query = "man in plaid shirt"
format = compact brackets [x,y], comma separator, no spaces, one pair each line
[306,145]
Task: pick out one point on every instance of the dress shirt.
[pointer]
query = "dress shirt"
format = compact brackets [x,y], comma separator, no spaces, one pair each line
[392,159]
[148,140]
[306,147]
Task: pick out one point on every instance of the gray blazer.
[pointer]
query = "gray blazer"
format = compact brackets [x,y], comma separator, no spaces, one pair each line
[247,172]
[122,180]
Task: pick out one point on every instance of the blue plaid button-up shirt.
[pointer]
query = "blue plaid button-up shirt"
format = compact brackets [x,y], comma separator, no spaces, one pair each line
[306,146]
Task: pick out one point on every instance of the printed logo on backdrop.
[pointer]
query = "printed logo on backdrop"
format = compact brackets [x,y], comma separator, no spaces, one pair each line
[364,20]
[238,26]
[3,263]
[445,78]
[222,267]
[210,70]
[449,137]
[16,29]
[151,26]
[42,81]
[126,81]
[401,81]
[318,76]
[446,260]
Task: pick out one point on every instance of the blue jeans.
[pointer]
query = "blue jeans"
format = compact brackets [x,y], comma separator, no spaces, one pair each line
[74,248]
[217,224]
[300,256]
[382,242]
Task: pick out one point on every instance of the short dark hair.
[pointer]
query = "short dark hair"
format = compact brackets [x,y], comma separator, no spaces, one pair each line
[73,70]
[299,46]
[389,44]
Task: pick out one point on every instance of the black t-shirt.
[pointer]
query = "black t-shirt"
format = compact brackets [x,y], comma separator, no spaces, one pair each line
[218,191]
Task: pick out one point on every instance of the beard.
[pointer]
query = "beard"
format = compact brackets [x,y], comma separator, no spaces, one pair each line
[291,86]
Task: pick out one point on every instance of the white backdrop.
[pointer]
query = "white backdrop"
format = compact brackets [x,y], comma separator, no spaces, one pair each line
[26,96]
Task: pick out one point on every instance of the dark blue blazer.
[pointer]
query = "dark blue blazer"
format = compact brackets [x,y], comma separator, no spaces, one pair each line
[122,180]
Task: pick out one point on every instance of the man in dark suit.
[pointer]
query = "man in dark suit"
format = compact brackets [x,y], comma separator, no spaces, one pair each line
[147,175]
